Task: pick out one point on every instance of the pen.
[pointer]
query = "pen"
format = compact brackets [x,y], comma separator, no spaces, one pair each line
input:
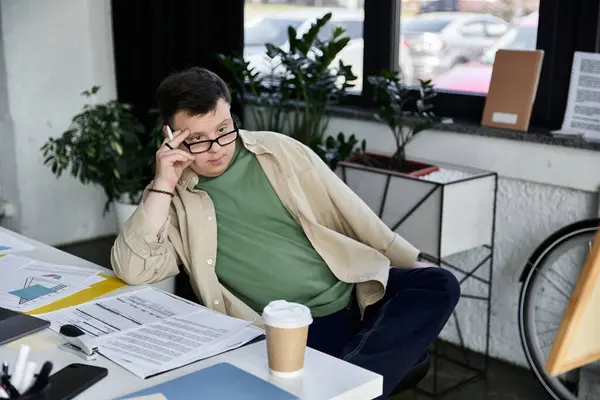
[27,379]
[4,369]
[19,369]
[9,388]
[42,378]
[169,132]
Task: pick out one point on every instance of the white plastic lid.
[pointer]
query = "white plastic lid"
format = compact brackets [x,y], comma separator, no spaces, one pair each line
[283,314]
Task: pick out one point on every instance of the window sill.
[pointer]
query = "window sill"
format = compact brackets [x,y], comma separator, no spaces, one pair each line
[535,156]
[541,136]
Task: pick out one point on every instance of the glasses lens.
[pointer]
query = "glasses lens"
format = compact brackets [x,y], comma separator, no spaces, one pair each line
[227,138]
[223,140]
[200,147]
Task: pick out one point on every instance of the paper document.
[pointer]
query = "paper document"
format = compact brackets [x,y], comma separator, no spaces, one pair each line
[149,331]
[238,339]
[582,115]
[99,286]
[28,284]
[66,273]
[167,344]
[11,244]
[121,312]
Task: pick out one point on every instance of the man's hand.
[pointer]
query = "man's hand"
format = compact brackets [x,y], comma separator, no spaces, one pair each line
[171,160]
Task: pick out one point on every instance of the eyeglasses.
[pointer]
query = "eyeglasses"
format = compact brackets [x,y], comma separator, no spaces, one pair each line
[205,145]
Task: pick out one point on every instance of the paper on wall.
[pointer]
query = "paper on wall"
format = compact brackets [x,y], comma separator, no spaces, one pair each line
[582,114]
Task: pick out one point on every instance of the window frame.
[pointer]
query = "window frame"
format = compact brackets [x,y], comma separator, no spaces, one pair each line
[564,26]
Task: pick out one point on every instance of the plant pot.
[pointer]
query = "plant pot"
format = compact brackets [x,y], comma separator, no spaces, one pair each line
[439,217]
[381,163]
[123,211]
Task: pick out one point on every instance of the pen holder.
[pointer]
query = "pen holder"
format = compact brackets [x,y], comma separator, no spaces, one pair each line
[42,393]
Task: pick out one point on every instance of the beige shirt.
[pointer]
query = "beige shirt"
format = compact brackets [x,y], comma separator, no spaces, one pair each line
[356,245]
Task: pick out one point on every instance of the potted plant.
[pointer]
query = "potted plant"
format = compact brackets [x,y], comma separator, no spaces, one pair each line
[289,90]
[441,210]
[405,115]
[106,145]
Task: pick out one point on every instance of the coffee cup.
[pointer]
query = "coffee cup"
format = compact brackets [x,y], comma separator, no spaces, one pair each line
[287,331]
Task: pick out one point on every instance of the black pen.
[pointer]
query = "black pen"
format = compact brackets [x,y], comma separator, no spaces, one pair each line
[42,378]
[4,369]
[12,391]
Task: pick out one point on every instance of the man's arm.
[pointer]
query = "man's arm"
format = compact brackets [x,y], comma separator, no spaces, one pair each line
[366,226]
[142,253]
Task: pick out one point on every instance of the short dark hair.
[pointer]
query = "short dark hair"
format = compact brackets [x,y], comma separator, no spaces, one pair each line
[195,91]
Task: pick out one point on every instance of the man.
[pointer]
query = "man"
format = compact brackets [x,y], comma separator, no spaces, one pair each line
[256,216]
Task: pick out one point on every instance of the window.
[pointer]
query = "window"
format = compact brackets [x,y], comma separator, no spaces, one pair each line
[268,21]
[268,30]
[451,42]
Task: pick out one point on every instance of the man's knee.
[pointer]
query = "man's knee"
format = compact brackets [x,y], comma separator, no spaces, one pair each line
[449,286]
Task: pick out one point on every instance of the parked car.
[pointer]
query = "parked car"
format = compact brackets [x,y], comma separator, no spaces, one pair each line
[501,8]
[475,76]
[273,28]
[440,41]
[352,54]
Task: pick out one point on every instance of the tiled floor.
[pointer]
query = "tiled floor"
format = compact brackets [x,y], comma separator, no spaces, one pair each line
[504,381]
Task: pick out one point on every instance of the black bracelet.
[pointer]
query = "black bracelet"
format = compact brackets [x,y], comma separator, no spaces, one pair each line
[161,191]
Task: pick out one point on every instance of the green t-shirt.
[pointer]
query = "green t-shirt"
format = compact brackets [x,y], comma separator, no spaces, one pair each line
[263,254]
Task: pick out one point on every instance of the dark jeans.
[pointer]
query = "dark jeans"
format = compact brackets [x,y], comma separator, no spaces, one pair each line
[396,331]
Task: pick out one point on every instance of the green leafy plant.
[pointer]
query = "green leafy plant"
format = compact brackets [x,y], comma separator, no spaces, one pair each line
[336,149]
[303,80]
[404,113]
[106,145]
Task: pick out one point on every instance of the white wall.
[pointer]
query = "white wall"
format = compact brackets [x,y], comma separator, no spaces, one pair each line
[53,50]
[539,192]
[9,188]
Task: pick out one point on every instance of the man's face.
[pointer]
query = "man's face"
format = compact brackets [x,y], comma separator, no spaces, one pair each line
[208,127]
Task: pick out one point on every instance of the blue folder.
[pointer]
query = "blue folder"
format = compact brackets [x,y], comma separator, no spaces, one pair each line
[220,381]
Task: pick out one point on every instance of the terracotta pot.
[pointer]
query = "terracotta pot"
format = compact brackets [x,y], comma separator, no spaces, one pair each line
[415,168]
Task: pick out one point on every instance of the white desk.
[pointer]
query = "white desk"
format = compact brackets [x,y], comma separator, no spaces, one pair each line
[324,377]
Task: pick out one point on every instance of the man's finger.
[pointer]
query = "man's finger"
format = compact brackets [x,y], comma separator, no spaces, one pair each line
[177,151]
[179,137]
[175,157]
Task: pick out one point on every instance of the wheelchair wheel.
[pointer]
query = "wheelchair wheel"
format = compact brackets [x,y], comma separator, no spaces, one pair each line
[548,281]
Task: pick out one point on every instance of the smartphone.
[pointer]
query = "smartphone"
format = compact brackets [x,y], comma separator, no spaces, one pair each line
[74,379]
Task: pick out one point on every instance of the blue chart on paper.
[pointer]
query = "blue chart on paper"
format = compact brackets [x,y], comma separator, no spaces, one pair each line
[34,291]
[2,248]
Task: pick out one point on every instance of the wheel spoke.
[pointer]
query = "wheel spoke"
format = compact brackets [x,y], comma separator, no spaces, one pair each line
[559,290]
[549,331]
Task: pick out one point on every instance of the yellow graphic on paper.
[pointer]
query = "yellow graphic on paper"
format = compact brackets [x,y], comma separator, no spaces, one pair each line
[109,284]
